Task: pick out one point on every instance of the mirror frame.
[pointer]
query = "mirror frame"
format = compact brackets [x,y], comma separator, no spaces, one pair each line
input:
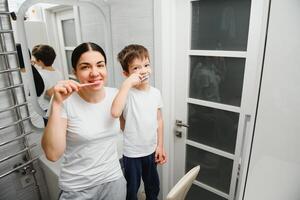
[101,5]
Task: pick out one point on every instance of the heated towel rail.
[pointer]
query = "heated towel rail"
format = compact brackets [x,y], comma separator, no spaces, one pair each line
[13,105]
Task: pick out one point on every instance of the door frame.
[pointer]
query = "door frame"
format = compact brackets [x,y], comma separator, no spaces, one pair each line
[61,16]
[164,38]
[51,17]
[166,58]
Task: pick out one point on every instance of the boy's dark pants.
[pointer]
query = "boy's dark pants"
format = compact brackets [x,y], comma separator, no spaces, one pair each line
[145,168]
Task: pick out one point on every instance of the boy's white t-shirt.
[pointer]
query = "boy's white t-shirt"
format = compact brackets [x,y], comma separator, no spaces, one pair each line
[50,79]
[90,157]
[140,114]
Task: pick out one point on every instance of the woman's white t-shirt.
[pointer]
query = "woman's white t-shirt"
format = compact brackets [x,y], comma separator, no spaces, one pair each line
[140,114]
[90,156]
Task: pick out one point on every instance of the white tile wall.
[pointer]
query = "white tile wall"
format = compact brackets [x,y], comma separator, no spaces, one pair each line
[132,23]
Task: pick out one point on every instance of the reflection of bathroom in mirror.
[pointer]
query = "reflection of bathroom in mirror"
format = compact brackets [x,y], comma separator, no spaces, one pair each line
[111,24]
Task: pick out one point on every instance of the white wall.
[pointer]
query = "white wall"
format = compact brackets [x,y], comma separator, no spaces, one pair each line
[274,166]
[132,22]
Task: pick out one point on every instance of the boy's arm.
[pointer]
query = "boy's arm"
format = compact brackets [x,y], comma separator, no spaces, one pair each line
[160,154]
[160,143]
[120,99]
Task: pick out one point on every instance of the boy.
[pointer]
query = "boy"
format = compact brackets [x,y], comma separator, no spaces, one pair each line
[139,107]
[43,57]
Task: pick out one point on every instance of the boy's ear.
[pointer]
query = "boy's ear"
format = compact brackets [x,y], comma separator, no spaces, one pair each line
[125,73]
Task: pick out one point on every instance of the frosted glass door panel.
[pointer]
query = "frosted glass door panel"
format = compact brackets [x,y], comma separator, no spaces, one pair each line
[215,170]
[213,127]
[220,24]
[68,57]
[199,193]
[68,28]
[217,79]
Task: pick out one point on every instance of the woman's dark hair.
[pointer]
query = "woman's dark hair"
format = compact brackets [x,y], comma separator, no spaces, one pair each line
[84,47]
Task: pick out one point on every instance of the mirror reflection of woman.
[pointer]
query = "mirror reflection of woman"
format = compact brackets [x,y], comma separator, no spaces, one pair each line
[81,129]
[42,59]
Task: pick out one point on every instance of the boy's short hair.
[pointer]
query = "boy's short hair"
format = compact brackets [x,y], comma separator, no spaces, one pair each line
[45,53]
[131,52]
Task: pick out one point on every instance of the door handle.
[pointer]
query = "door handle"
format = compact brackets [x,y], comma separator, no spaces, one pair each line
[179,123]
[178,134]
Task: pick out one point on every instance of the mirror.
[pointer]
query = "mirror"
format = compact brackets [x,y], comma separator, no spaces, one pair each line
[65,24]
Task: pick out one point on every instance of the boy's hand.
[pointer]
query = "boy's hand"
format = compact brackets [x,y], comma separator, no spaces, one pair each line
[160,155]
[134,79]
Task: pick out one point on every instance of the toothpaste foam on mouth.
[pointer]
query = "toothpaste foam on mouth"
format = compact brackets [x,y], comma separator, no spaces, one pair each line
[145,78]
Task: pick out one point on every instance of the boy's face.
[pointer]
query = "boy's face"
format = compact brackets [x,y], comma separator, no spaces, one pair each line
[140,66]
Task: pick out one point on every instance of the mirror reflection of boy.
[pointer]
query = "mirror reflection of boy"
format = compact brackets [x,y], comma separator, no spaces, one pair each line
[139,106]
[38,80]
[43,57]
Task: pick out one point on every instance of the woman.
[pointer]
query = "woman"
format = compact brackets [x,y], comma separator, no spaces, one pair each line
[80,126]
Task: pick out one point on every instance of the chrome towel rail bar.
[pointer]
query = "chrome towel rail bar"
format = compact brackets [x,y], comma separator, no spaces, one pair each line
[8,53]
[4,13]
[18,153]
[15,123]
[13,107]
[16,138]
[6,31]
[11,87]
[19,167]
[9,70]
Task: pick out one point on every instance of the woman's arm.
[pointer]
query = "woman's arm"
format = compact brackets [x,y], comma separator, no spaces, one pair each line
[54,137]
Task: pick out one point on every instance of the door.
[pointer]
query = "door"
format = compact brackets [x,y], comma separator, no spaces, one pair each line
[212,39]
[68,36]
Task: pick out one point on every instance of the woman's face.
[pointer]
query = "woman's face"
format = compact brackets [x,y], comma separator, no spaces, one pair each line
[91,68]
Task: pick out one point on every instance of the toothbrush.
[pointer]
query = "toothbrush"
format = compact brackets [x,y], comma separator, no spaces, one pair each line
[89,84]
